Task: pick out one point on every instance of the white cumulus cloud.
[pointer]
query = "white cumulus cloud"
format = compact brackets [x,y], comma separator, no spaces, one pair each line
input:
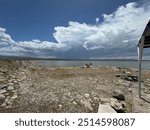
[117,35]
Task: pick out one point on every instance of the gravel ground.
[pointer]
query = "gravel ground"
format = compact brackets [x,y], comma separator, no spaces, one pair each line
[30,87]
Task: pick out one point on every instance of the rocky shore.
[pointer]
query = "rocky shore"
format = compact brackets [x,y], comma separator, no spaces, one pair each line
[26,86]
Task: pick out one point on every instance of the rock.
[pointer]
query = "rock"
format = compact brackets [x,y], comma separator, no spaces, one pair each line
[105,109]
[3,105]
[87,95]
[127,72]
[124,83]
[89,78]
[10,88]
[13,76]
[118,95]
[14,97]
[6,94]
[96,98]
[118,106]
[74,102]
[88,65]
[104,100]
[8,101]
[129,78]
[15,81]
[2,97]
[8,107]
[60,105]
[2,86]
[2,91]
[129,89]
[23,77]
[10,84]
[2,78]
[87,104]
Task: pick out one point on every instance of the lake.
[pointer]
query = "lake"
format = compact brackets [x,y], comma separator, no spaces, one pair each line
[96,63]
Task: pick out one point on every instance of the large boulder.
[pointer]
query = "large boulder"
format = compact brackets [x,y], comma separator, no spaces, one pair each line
[118,95]
[117,105]
[105,109]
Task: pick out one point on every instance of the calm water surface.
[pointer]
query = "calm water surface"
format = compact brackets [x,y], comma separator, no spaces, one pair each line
[78,63]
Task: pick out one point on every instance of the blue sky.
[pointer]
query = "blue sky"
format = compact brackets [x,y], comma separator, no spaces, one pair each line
[72,28]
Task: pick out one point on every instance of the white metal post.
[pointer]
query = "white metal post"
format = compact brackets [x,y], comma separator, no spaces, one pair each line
[140,53]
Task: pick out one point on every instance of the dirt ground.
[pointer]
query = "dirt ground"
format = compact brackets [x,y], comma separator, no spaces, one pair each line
[67,89]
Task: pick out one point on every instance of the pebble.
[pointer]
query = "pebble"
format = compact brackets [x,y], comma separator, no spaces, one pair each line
[2,97]
[10,88]
[10,84]
[2,86]
[118,106]
[2,91]
[3,105]
[87,104]
[14,97]
[129,89]
[6,94]
[74,102]
[60,105]
[15,81]
[87,95]
[104,100]
[2,79]
[118,95]
[7,107]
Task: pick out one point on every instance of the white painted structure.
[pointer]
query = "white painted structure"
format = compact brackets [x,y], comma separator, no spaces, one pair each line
[143,43]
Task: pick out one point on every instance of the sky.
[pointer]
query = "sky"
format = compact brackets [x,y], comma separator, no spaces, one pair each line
[91,29]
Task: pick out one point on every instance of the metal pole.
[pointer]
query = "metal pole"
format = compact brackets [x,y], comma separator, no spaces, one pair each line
[139,74]
[140,53]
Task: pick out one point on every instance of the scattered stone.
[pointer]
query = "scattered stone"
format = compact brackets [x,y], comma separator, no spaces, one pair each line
[96,98]
[89,78]
[3,70]
[10,84]
[105,109]
[88,65]
[124,83]
[15,81]
[147,90]
[129,78]
[87,95]
[127,72]
[2,78]
[6,94]
[10,88]
[2,97]
[74,102]
[118,106]
[13,76]
[2,86]
[104,100]
[60,105]
[2,91]
[118,95]
[14,97]
[3,105]
[23,77]
[129,89]
[87,104]
[8,107]
[8,101]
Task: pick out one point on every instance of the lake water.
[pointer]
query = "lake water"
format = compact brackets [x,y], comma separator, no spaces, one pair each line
[79,63]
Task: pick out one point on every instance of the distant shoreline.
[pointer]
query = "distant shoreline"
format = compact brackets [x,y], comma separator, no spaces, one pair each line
[64,59]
